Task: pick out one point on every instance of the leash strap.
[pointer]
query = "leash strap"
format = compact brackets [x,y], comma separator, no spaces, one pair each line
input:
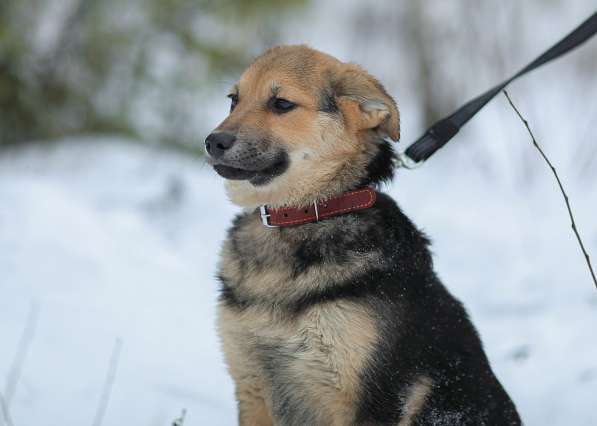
[443,130]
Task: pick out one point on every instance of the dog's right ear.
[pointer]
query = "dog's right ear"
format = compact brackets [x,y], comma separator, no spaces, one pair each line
[364,102]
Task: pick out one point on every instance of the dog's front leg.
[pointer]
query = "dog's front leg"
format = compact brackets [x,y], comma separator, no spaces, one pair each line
[252,410]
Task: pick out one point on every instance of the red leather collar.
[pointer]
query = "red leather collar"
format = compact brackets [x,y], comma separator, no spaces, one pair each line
[359,199]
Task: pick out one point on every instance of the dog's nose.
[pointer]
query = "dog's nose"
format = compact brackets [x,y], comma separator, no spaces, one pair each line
[218,142]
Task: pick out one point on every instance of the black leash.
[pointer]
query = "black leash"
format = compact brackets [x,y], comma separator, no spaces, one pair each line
[443,130]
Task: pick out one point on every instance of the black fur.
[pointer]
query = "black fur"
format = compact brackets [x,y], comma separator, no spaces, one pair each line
[327,102]
[426,332]
[381,168]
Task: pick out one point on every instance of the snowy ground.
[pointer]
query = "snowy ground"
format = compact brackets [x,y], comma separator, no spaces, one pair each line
[116,239]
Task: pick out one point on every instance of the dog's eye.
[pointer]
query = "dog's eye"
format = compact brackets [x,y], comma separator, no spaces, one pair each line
[233,101]
[280,105]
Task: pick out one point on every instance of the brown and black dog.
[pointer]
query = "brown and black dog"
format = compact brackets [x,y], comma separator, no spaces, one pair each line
[341,321]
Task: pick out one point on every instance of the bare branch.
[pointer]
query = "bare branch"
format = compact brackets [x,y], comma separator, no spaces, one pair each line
[108,383]
[14,373]
[555,173]
[5,413]
[180,420]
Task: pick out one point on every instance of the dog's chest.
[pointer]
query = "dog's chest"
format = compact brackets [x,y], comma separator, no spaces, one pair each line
[305,365]
[280,347]
[307,361]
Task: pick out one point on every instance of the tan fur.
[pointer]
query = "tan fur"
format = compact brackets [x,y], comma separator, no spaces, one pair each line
[418,394]
[251,391]
[338,336]
[319,145]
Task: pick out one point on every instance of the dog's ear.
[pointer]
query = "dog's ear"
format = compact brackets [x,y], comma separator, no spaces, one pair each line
[365,103]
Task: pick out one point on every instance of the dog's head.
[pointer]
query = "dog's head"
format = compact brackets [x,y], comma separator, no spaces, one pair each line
[303,126]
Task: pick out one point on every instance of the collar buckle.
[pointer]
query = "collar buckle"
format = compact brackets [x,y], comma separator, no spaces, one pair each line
[265,217]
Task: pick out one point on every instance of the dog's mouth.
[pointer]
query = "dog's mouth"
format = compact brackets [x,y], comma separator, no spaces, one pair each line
[234,173]
[256,177]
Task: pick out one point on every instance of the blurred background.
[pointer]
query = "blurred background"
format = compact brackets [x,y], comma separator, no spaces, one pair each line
[110,222]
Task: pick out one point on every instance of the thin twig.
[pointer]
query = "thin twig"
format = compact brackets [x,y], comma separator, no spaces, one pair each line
[180,421]
[14,373]
[553,169]
[5,412]
[108,383]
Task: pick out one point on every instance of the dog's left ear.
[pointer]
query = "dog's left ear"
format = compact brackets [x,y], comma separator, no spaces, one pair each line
[365,103]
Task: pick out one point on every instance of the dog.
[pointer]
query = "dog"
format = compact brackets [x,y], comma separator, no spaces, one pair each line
[330,312]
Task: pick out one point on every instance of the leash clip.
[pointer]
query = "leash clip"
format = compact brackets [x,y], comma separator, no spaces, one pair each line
[265,217]
[403,160]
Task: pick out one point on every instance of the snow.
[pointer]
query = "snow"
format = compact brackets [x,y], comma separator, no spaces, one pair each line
[113,238]
[118,239]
